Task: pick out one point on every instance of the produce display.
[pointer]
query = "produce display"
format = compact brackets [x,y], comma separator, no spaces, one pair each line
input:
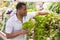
[54,6]
[47,27]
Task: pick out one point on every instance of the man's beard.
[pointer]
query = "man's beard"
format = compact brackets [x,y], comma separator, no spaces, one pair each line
[25,15]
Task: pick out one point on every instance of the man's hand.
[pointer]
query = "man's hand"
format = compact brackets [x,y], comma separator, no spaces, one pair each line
[24,31]
[42,13]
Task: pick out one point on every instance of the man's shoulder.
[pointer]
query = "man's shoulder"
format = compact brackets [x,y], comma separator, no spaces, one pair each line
[11,19]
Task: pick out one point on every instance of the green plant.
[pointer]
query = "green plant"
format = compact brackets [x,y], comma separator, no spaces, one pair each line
[47,27]
[54,6]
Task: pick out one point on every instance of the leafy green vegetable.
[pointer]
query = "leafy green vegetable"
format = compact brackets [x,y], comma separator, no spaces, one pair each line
[29,26]
[47,27]
[54,6]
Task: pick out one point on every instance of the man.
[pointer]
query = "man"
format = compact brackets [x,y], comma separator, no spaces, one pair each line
[13,27]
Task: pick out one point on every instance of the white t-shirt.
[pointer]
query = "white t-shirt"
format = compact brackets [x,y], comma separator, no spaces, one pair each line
[14,25]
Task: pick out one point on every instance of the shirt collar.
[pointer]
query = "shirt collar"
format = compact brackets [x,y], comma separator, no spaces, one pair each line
[16,19]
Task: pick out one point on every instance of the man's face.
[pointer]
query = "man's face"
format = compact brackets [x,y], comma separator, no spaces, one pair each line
[23,11]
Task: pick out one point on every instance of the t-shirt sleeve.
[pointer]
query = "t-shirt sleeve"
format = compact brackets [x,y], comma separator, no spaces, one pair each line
[8,27]
[30,15]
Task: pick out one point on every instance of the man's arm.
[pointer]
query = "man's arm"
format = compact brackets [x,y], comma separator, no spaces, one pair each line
[12,35]
[42,13]
[9,29]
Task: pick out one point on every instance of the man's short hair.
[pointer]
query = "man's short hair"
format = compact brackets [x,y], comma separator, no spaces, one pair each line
[19,5]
